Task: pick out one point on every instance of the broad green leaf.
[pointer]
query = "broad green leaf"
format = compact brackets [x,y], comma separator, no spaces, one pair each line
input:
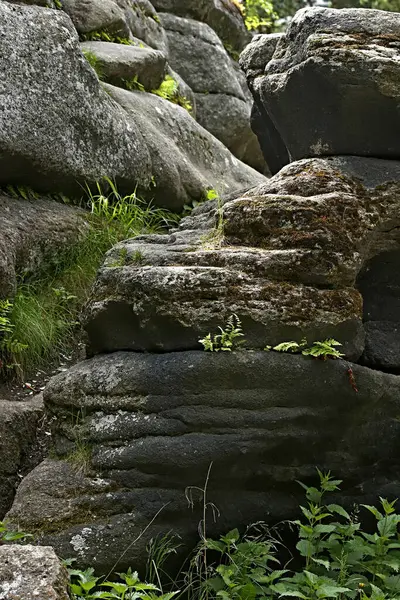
[336,508]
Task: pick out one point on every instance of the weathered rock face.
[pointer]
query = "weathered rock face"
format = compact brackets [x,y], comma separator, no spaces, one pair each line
[253,61]
[154,423]
[29,572]
[332,86]
[120,63]
[192,47]
[285,258]
[78,140]
[89,136]
[18,428]
[222,15]
[186,159]
[32,232]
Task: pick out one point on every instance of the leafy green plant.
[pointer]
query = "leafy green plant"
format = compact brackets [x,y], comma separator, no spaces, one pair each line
[339,559]
[169,90]
[58,4]
[10,347]
[94,62]
[134,84]
[324,350]
[259,14]
[6,535]
[227,340]
[290,346]
[103,35]
[84,584]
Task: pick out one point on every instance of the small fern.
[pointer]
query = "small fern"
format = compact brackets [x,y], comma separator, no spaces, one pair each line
[227,340]
[324,350]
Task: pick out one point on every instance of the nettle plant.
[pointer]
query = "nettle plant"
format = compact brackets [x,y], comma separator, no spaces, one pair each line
[339,559]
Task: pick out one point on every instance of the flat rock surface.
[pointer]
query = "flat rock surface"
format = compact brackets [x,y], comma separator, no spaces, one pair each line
[155,422]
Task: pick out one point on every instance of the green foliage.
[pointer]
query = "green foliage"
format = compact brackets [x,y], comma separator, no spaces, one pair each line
[169,90]
[227,340]
[7,535]
[58,4]
[102,35]
[259,15]
[134,85]
[290,346]
[84,584]
[324,350]
[42,322]
[336,558]
[94,62]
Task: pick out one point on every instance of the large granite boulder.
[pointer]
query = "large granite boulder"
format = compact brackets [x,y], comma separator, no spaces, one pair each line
[186,159]
[151,425]
[32,232]
[332,86]
[119,64]
[97,15]
[284,257]
[223,16]
[19,447]
[59,129]
[223,106]
[253,61]
[29,573]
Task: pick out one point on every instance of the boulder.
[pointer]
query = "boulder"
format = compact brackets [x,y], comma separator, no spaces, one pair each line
[332,87]
[154,423]
[119,64]
[186,159]
[222,98]
[81,135]
[29,572]
[18,448]
[144,23]
[379,283]
[253,60]
[284,257]
[223,16]
[32,233]
[97,15]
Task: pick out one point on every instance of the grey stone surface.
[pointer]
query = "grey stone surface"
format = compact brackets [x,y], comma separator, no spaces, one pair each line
[58,128]
[333,88]
[32,232]
[144,23]
[285,260]
[222,15]
[120,63]
[186,159]
[29,573]
[253,61]
[155,422]
[97,15]
[18,427]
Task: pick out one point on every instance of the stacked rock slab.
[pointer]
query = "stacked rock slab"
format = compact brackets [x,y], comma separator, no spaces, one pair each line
[143,419]
[332,84]
[153,412]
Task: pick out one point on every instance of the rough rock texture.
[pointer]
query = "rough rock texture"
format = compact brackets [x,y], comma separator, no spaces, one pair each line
[29,573]
[285,259]
[80,134]
[144,23]
[18,428]
[223,107]
[186,159]
[222,15]
[32,233]
[333,87]
[89,135]
[155,422]
[97,15]
[119,63]
[253,61]
[379,283]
